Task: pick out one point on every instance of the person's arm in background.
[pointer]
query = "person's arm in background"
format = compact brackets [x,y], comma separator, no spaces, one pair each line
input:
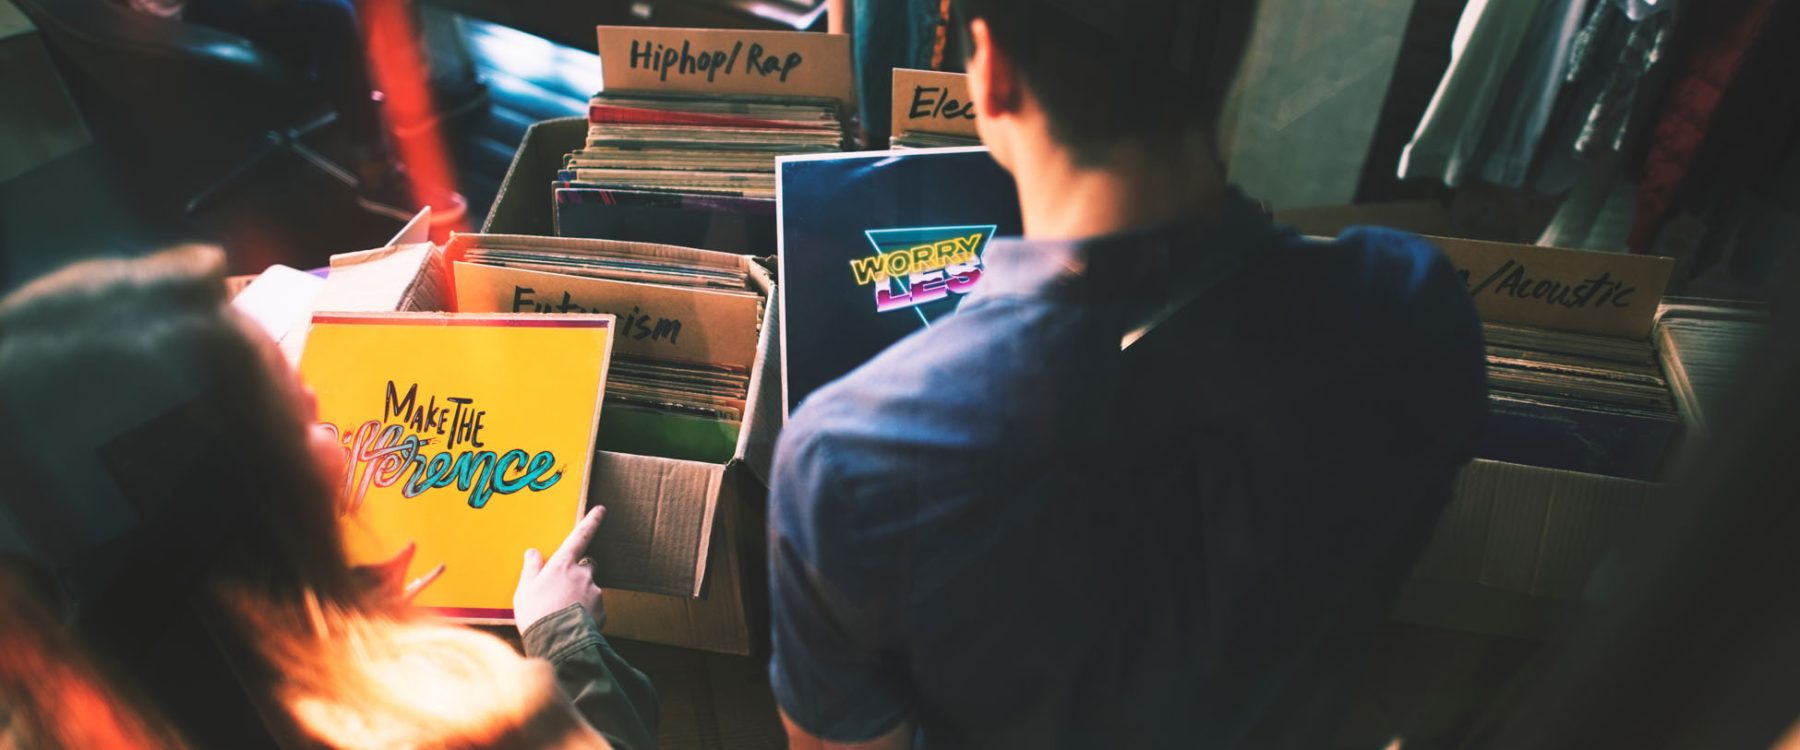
[901,738]
[837,16]
[559,612]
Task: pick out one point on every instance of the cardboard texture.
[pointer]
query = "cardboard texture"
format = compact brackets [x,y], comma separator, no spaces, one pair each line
[709,327]
[721,61]
[722,620]
[406,277]
[524,204]
[1529,530]
[1608,294]
[643,546]
[443,449]
[930,101]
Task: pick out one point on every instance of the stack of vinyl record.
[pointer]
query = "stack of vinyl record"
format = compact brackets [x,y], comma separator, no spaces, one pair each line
[921,139]
[1703,345]
[1597,404]
[1600,372]
[689,409]
[711,145]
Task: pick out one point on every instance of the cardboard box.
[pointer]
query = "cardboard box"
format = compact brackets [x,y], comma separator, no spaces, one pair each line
[528,204]
[723,556]
[1515,549]
[524,204]
[1529,530]
[656,505]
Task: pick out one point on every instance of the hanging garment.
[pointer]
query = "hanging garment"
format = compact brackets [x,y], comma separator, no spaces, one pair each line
[1529,94]
[1609,119]
[1638,10]
[1727,115]
[890,34]
[1599,110]
[1488,38]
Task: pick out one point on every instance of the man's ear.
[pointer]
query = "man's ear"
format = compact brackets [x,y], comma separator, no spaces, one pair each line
[993,78]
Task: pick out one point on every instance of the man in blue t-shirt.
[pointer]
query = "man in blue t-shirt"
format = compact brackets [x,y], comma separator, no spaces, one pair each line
[1156,481]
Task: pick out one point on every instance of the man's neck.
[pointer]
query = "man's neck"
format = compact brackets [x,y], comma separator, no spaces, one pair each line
[1060,198]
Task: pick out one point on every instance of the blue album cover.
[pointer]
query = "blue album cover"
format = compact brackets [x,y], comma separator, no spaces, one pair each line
[1592,440]
[875,246]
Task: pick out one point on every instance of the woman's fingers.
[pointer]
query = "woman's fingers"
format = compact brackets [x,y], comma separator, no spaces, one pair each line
[419,584]
[534,562]
[575,546]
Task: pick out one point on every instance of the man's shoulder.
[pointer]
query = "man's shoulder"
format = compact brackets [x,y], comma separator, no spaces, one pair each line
[1388,284]
[948,393]
[1378,263]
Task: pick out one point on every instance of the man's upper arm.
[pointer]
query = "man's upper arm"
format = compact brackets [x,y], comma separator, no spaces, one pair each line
[899,738]
[835,670]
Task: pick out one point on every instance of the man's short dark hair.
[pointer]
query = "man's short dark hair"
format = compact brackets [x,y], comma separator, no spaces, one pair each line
[1120,70]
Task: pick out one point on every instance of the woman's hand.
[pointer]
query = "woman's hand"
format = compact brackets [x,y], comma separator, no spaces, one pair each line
[546,586]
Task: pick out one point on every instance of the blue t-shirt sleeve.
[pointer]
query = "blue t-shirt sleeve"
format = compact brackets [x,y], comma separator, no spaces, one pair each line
[832,669]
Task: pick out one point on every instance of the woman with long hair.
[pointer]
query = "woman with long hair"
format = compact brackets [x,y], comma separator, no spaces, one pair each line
[159,455]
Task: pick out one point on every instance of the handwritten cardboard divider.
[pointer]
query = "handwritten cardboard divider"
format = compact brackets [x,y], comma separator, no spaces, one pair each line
[726,61]
[930,101]
[687,325]
[1607,294]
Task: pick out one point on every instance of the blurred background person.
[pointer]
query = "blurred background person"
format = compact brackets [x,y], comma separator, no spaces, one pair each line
[889,34]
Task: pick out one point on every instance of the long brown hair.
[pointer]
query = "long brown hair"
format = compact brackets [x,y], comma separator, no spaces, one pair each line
[232,510]
[214,448]
[51,694]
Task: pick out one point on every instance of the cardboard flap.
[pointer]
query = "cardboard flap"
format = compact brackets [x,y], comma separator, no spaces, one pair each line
[762,410]
[659,518]
[385,279]
[930,101]
[1528,529]
[395,278]
[417,229]
[668,323]
[1608,294]
[726,61]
